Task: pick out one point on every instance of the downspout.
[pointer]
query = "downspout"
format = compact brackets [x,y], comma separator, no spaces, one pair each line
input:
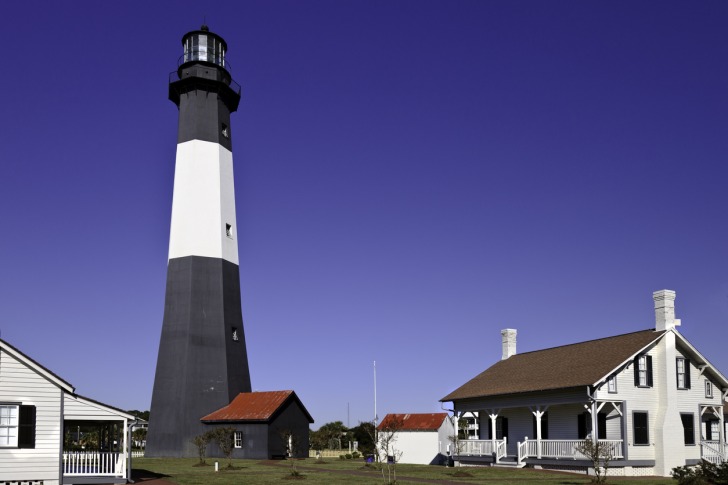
[129,449]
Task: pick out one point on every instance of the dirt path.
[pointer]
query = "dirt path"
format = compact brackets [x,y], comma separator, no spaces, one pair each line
[368,474]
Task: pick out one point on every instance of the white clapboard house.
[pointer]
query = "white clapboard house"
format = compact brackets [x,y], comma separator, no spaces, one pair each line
[37,410]
[650,396]
[418,438]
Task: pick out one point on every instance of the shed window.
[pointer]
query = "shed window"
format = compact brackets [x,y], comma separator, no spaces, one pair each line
[17,426]
[9,425]
[238,439]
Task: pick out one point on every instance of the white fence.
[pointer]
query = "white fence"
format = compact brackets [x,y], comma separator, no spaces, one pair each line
[81,463]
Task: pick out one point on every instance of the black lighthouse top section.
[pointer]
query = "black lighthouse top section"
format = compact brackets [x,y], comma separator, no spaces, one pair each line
[203,45]
[203,66]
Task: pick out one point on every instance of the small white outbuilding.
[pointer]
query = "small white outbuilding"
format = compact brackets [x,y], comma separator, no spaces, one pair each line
[420,439]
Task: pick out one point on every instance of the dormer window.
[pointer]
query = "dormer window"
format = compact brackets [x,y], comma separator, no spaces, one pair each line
[643,371]
[612,384]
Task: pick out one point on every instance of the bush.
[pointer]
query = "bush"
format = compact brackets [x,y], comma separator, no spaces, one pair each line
[355,455]
[704,473]
[342,457]
[348,456]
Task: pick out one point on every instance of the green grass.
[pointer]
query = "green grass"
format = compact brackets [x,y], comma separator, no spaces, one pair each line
[333,471]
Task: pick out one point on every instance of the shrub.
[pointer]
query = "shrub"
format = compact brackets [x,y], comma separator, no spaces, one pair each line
[342,457]
[348,456]
[703,474]
[355,455]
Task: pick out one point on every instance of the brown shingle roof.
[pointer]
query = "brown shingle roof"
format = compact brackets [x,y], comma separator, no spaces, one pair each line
[255,406]
[414,422]
[574,365]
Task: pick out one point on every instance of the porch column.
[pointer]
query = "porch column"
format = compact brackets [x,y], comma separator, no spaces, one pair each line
[493,416]
[595,422]
[538,413]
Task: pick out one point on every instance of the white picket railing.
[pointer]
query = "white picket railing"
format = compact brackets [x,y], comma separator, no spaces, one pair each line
[501,449]
[479,447]
[562,449]
[93,463]
[713,452]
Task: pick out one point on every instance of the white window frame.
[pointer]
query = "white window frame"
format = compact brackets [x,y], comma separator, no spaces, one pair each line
[9,425]
[642,369]
[612,384]
[708,389]
[238,439]
[680,367]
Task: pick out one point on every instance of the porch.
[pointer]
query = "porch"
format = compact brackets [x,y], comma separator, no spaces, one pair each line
[96,443]
[538,449]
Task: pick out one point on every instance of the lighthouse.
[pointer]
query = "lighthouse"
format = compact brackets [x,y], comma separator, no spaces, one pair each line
[202,362]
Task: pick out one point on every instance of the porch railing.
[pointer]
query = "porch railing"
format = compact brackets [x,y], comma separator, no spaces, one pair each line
[482,447]
[94,463]
[562,449]
[713,451]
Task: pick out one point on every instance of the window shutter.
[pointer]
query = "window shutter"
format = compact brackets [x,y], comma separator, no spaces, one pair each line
[490,429]
[582,426]
[504,428]
[545,426]
[636,367]
[649,370]
[687,374]
[602,426]
[26,428]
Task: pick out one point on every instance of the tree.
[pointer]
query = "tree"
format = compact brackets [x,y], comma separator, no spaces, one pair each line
[387,452]
[600,454]
[224,437]
[330,436]
[139,435]
[364,435]
[201,441]
[291,442]
[139,414]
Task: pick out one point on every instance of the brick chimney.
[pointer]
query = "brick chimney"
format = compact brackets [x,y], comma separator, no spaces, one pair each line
[665,310]
[509,342]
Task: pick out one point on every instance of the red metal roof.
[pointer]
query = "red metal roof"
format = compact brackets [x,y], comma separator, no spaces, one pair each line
[255,406]
[413,422]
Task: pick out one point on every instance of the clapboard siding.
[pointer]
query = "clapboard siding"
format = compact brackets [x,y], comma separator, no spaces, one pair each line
[78,408]
[19,383]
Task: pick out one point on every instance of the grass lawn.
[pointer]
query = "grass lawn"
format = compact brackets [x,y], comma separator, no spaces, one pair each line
[331,471]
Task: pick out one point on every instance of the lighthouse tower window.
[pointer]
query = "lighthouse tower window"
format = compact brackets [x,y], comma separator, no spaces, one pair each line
[229,230]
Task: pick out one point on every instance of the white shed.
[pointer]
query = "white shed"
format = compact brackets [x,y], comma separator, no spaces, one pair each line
[37,409]
[421,439]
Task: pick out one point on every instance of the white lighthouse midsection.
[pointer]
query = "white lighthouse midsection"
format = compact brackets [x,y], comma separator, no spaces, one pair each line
[203,204]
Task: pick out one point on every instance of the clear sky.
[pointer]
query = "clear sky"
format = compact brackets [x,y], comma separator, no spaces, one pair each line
[411,177]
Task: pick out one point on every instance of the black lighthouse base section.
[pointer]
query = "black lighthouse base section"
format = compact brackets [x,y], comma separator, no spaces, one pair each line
[202,363]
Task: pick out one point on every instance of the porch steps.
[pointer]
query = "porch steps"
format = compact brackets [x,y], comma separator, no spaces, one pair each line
[509,462]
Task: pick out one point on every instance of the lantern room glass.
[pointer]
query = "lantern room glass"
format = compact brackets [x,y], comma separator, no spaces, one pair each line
[201,46]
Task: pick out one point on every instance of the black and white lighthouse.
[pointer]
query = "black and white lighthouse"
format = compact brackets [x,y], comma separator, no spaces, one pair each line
[202,363]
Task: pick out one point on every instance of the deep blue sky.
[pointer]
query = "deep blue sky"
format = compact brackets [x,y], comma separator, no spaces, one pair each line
[411,176]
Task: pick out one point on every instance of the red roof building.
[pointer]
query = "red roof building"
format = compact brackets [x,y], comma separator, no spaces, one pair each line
[265,425]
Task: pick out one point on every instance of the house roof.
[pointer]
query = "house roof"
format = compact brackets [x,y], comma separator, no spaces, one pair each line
[45,372]
[414,422]
[574,365]
[260,406]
